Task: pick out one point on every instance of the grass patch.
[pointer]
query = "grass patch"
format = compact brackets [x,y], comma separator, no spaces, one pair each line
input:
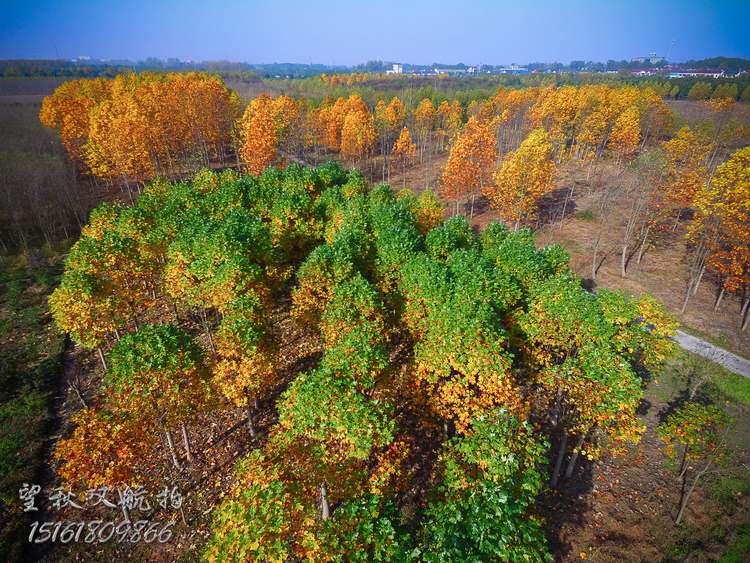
[740,549]
[730,384]
[30,356]
[687,369]
[585,215]
[728,491]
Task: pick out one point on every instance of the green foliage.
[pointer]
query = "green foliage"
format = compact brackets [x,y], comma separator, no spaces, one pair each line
[740,549]
[489,481]
[364,531]
[700,91]
[452,235]
[585,215]
[699,429]
[476,334]
[158,373]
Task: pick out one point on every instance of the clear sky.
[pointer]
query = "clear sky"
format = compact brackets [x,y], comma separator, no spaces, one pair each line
[349,32]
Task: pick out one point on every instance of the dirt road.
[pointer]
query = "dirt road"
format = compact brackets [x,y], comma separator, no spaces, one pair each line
[730,361]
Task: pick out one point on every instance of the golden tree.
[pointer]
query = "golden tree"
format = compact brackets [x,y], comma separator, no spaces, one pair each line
[404,153]
[470,163]
[261,141]
[358,131]
[626,134]
[525,175]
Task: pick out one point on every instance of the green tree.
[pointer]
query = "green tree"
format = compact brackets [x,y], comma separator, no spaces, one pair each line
[159,376]
[702,431]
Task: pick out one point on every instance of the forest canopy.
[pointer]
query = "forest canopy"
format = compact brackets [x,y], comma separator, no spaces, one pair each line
[447,363]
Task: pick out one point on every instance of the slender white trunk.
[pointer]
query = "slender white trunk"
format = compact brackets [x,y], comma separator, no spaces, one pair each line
[172,450]
[325,509]
[101,357]
[186,440]
[718,299]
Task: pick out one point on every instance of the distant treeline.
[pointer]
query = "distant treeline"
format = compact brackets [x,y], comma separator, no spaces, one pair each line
[63,68]
[373,87]
[92,68]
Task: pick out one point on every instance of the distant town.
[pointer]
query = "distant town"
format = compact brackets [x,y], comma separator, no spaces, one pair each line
[647,65]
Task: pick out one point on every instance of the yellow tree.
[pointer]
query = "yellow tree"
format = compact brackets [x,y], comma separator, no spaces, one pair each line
[524,176]
[118,142]
[424,121]
[261,142]
[288,119]
[331,122]
[404,153]
[443,112]
[66,113]
[686,155]
[656,116]
[470,163]
[720,227]
[358,131]
[454,122]
[626,134]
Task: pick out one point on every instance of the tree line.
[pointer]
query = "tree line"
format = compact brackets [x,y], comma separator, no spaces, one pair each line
[508,147]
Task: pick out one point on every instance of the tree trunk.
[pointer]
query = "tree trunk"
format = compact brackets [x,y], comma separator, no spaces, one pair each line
[701,473]
[207,328]
[172,450]
[643,245]
[745,306]
[250,416]
[568,197]
[700,277]
[325,509]
[685,302]
[622,261]
[719,298]
[101,357]
[593,261]
[186,439]
[574,456]
[558,463]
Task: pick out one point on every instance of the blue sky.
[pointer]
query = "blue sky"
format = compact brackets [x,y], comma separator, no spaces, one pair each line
[349,32]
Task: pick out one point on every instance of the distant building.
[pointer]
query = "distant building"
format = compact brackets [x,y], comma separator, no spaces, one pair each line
[645,71]
[84,58]
[451,71]
[652,58]
[699,72]
[512,69]
[397,69]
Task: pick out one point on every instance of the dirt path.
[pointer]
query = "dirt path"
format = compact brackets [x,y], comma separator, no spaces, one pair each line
[732,362]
